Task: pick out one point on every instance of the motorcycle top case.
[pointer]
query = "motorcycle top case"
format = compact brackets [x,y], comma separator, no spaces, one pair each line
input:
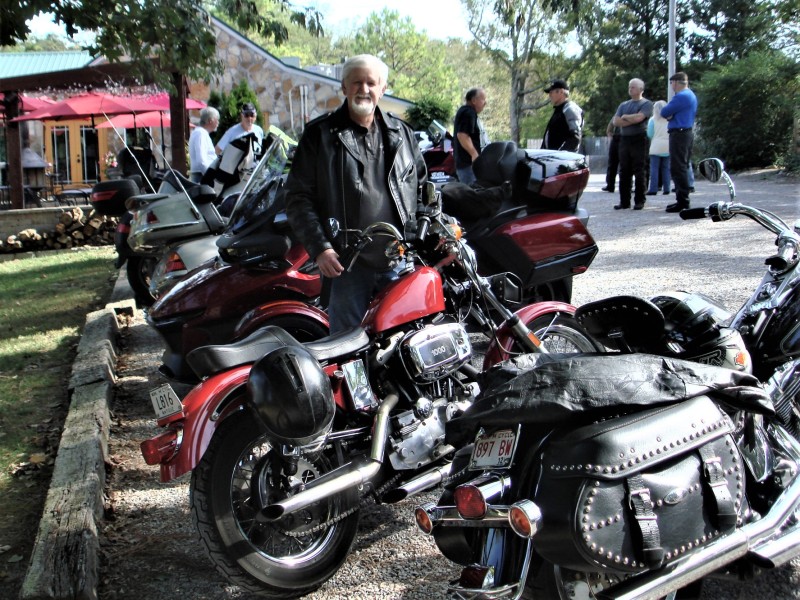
[636,492]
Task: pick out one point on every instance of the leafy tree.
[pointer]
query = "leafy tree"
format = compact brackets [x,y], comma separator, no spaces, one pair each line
[426,110]
[416,63]
[738,120]
[517,34]
[730,29]
[176,32]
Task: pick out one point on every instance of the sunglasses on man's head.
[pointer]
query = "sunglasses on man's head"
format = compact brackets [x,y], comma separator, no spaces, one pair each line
[249,114]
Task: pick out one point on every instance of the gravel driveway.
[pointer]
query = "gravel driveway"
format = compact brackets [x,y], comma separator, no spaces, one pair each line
[149,548]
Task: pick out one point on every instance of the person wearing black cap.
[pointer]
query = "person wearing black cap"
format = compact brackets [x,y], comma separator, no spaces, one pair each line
[680,112]
[563,131]
[245,126]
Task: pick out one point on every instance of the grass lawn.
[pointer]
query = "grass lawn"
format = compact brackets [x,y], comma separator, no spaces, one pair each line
[43,307]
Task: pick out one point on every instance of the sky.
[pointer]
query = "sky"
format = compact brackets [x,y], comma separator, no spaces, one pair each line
[439,18]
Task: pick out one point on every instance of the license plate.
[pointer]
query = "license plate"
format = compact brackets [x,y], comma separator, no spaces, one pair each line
[165,401]
[493,450]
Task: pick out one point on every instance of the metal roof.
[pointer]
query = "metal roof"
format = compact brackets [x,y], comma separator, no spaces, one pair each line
[15,64]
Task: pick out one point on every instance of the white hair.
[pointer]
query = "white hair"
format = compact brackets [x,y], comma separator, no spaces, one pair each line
[208,114]
[365,61]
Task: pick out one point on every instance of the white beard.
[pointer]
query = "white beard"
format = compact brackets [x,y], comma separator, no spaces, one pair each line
[363,108]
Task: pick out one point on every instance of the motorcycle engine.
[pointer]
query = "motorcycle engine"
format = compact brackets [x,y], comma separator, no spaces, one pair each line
[435,351]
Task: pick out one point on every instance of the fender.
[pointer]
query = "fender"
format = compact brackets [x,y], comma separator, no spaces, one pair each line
[261,315]
[202,414]
[500,346]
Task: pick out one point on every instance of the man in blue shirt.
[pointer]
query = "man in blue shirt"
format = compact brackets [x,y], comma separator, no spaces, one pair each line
[680,112]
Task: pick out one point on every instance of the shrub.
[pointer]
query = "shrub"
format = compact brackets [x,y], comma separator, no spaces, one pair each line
[745,110]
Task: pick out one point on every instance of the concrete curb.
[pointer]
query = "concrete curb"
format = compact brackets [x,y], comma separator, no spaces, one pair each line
[64,562]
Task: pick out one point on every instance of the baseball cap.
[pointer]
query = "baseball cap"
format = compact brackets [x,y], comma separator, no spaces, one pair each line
[557,84]
[248,107]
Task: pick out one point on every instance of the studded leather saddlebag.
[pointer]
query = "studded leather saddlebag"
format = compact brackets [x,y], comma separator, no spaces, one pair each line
[638,491]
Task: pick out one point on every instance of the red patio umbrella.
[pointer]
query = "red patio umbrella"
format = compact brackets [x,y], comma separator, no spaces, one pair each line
[90,104]
[161,102]
[28,103]
[154,118]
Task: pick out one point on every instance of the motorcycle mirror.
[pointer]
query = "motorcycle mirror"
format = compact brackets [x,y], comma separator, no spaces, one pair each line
[712,169]
[334,226]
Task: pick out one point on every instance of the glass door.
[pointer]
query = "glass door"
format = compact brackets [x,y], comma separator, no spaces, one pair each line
[62,167]
[90,155]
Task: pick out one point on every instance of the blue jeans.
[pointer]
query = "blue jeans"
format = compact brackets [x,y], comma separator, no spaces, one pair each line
[659,172]
[465,175]
[352,292]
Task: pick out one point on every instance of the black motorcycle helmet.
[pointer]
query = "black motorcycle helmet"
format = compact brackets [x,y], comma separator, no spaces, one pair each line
[693,321]
[291,396]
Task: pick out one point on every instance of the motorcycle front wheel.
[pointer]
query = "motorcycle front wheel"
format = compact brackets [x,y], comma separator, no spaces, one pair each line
[287,558]
[561,334]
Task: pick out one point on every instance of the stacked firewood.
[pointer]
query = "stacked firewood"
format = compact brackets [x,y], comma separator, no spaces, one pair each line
[73,228]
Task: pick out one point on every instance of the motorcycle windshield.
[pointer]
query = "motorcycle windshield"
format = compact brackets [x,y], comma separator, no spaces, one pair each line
[259,196]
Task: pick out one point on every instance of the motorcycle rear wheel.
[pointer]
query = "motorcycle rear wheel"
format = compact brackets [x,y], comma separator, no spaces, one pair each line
[139,270]
[275,559]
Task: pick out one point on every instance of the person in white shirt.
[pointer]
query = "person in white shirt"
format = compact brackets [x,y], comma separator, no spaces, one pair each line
[201,148]
[245,126]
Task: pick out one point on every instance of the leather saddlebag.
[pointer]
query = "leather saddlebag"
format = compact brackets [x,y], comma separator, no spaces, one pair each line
[638,491]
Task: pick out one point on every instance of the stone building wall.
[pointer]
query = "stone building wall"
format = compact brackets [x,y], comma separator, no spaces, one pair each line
[289,97]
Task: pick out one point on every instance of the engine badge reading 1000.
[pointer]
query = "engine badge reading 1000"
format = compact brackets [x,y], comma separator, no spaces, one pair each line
[494,450]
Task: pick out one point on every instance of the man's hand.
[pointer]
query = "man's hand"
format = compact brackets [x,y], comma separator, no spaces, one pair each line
[328,263]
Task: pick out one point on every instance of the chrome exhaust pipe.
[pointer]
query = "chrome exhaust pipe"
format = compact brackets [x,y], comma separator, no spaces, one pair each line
[754,537]
[345,477]
[426,481]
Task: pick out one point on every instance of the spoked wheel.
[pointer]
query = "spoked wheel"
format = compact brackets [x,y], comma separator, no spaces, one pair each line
[286,558]
[140,269]
[560,333]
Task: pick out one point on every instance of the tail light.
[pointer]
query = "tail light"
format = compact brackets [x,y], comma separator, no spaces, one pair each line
[102,196]
[174,263]
[151,217]
[525,518]
[123,228]
[472,499]
[161,448]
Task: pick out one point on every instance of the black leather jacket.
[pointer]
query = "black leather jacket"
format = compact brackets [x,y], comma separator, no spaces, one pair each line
[325,176]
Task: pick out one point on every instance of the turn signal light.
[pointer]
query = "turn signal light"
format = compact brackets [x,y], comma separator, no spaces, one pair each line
[470,502]
[525,518]
[423,519]
[160,448]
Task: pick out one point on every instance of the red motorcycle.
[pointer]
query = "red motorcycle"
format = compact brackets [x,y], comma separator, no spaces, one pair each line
[286,440]
[532,230]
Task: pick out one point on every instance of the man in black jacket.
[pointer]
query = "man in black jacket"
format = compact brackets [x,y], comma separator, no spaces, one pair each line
[566,124]
[357,165]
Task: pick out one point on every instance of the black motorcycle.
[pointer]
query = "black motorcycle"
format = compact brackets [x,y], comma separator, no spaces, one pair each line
[638,472]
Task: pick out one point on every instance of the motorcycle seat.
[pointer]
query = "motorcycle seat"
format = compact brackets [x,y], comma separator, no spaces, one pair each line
[207,360]
[338,344]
